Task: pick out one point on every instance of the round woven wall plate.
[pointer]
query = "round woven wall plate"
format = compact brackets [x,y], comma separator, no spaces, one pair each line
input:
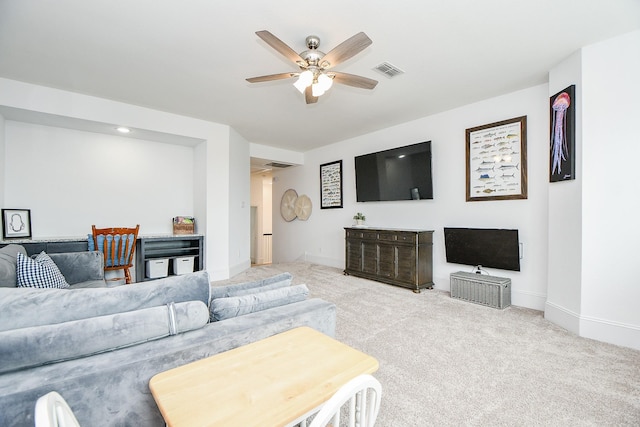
[288,205]
[303,207]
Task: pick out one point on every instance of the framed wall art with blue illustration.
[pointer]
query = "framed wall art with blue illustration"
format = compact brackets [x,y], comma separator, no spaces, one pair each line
[496,157]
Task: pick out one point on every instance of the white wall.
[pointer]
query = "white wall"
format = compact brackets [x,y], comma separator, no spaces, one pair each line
[282,155]
[593,234]
[579,236]
[72,179]
[611,191]
[267,202]
[211,179]
[321,237]
[239,204]
[2,158]
[564,288]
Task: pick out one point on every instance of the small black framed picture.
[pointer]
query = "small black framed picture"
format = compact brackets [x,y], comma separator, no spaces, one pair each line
[16,223]
[331,185]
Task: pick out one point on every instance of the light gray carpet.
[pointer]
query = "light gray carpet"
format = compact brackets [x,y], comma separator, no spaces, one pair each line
[449,362]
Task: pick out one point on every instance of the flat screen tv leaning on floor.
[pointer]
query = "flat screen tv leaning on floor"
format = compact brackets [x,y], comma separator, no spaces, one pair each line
[484,247]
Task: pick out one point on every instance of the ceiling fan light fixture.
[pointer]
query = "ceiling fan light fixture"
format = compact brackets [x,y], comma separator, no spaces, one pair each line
[321,84]
[313,80]
[304,80]
[317,90]
[325,81]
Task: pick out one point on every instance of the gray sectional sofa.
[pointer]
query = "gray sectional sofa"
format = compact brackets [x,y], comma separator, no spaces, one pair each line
[80,269]
[99,346]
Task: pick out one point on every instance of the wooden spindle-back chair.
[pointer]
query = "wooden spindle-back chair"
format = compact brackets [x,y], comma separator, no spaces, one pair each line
[118,244]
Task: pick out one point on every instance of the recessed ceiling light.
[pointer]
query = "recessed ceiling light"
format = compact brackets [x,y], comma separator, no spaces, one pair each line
[123,129]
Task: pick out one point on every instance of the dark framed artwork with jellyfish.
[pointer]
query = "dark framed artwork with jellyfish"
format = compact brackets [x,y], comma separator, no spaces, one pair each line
[562,109]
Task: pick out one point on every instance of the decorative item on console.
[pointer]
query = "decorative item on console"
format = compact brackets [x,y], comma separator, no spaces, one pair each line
[359,218]
[184,225]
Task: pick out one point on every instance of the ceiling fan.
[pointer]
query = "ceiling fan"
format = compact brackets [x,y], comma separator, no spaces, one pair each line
[315,79]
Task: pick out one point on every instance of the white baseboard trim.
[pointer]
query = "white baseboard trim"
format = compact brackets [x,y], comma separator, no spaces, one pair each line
[604,330]
[609,331]
[224,274]
[526,299]
[562,317]
[240,267]
[329,262]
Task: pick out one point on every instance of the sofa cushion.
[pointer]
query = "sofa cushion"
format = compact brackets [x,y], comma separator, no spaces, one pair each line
[8,260]
[79,267]
[271,286]
[24,307]
[278,281]
[40,272]
[93,284]
[225,308]
[39,345]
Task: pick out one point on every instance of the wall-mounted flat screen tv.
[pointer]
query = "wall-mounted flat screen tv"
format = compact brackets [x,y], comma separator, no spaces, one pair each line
[402,173]
[486,247]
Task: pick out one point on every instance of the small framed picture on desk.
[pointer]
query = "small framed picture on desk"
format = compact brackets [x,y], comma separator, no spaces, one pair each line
[16,223]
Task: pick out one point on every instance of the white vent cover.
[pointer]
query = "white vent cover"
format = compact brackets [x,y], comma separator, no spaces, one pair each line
[388,69]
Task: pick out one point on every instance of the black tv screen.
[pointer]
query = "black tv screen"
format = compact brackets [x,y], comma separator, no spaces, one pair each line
[402,173]
[486,247]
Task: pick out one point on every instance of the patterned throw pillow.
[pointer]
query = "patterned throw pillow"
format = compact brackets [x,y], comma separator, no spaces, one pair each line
[40,272]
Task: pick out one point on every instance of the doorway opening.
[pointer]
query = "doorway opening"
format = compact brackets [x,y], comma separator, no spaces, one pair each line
[262,177]
[261,217]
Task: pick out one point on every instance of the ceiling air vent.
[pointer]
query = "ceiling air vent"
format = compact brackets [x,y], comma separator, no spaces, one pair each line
[388,69]
[278,165]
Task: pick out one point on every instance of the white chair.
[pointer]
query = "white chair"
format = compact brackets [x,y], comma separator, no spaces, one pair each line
[53,411]
[363,397]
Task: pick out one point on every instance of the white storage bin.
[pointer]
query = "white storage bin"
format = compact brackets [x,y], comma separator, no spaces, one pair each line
[183,265]
[157,268]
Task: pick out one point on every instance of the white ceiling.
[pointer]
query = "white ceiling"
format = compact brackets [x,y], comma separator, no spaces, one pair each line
[192,57]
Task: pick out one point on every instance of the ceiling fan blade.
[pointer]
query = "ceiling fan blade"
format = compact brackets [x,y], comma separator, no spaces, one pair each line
[281,47]
[353,80]
[308,96]
[271,77]
[345,50]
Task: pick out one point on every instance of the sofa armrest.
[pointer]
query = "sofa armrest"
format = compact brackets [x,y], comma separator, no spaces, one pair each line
[77,267]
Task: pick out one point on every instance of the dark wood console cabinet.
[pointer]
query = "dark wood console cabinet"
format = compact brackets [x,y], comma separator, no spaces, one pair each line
[394,256]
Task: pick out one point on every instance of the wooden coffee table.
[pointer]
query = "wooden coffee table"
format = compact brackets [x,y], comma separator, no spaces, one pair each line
[273,382]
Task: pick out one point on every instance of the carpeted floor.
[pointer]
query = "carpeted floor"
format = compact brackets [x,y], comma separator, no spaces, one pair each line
[446,362]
